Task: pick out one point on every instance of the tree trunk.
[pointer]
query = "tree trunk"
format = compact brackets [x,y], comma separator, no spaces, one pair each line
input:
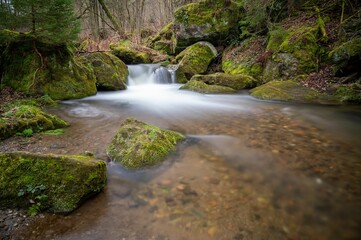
[111,17]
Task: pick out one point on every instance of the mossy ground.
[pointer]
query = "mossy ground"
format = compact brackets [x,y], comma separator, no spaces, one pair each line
[201,87]
[138,145]
[247,58]
[25,114]
[68,180]
[129,55]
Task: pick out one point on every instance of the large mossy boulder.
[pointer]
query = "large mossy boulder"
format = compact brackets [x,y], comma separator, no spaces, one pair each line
[247,58]
[194,60]
[35,67]
[294,52]
[347,57]
[49,182]
[290,91]
[19,118]
[111,73]
[137,144]
[125,51]
[237,81]
[210,20]
[201,87]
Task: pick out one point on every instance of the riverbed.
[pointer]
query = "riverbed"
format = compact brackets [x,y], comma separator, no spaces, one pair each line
[249,169]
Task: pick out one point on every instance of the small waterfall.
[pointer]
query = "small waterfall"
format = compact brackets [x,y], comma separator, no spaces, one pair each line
[150,74]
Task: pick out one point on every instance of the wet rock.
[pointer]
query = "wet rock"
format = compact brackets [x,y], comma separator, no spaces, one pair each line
[201,87]
[138,145]
[111,73]
[290,91]
[194,60]
[66,181]
[237,81]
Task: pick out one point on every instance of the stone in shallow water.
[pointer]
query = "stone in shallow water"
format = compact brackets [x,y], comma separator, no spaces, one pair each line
[66,180]
[138,144]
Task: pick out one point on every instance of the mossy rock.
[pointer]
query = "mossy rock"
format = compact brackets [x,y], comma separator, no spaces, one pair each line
[201,87]
[19,118]
[129,55]
[349,94]
[347,57]
[237,82]
[138,145]
[34,67]
[290,91]
[209,20]
[194,60]
[245,58]
[165,40]
[67,180]
[294,51]
[111,73]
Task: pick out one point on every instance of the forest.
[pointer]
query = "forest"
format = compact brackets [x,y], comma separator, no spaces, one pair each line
[180,119]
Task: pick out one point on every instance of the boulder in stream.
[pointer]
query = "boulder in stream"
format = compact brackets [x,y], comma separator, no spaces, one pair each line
[237,81]
[290,91]
[194,60]
[201,87]
[49,182]
[137,144]
[111,73]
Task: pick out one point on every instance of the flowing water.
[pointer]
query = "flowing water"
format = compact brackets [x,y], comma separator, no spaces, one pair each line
[249,169]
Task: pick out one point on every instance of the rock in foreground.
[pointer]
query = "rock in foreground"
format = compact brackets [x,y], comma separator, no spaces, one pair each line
[49,182]
[137,144]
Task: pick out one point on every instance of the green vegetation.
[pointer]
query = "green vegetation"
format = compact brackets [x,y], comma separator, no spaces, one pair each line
[35,196]
[53,22]
[128,55]
[201,87]
[53,183]
[55,132]
[26,120]
[138,145]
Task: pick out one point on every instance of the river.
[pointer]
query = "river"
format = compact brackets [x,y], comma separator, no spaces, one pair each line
[249,169]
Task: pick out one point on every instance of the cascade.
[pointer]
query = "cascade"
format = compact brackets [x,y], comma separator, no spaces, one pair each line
[150,74]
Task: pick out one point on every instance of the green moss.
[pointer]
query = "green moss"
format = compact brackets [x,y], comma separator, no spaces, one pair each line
[208,20]
[69,180]
[55,132]
[21,117]
[194,60]
[129,55]
[349,94]
[7,36]
[138,145]
[201,87]
[294,51]
[237,82]
[34,67]
[244,59]
[165,40]
[289,91]
[110,72]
